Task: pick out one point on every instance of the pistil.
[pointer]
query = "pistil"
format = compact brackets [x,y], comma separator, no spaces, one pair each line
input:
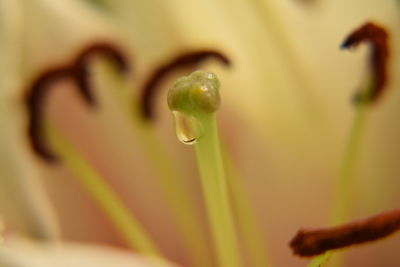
[197,97]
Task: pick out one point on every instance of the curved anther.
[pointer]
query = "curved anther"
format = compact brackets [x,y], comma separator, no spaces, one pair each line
[377,37]
[77,71]
[187,60]
[81,76]
[309,243]
[106,50]
[82,62]
[35,101]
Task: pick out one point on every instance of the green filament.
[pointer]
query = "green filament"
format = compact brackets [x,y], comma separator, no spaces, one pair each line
[108,200]
[345,182]
[320,260]
[247,221]
[178,199]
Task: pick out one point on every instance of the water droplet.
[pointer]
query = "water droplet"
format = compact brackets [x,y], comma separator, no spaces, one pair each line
[188,128]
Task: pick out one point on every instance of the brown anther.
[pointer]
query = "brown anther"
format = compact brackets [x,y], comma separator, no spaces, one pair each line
[105,50]
[81,65]
[377,37]
[308,243]
[187,60]
[35,102]
[78,71]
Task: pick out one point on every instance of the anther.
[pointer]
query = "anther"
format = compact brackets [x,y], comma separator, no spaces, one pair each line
[82,62]
[309,243]
[35,102]
[106,50]
[377,37]
[187,60]
[77,71]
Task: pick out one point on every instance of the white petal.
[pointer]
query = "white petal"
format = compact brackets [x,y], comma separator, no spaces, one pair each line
[23,201]
[24,253]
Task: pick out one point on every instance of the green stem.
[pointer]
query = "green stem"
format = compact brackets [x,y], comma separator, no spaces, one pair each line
[106,198]
[247,221]
[345,183]
[167,174]
[321,260]
[215,188]
[178,199]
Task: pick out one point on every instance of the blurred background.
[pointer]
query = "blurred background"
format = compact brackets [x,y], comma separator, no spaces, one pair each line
[285,117]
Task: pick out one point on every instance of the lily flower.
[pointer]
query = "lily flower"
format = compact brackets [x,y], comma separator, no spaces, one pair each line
[93,173]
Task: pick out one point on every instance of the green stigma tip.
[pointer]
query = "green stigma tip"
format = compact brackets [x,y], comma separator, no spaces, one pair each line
[196,93]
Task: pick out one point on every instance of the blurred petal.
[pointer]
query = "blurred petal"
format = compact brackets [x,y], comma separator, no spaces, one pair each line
[24,253]
[55,30]
[23,202]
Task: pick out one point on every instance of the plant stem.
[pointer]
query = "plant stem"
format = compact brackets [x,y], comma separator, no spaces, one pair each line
[215,189]
[167,174]
[178,198]
[345,182]
[106,198]
[320,260]
[247,221]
